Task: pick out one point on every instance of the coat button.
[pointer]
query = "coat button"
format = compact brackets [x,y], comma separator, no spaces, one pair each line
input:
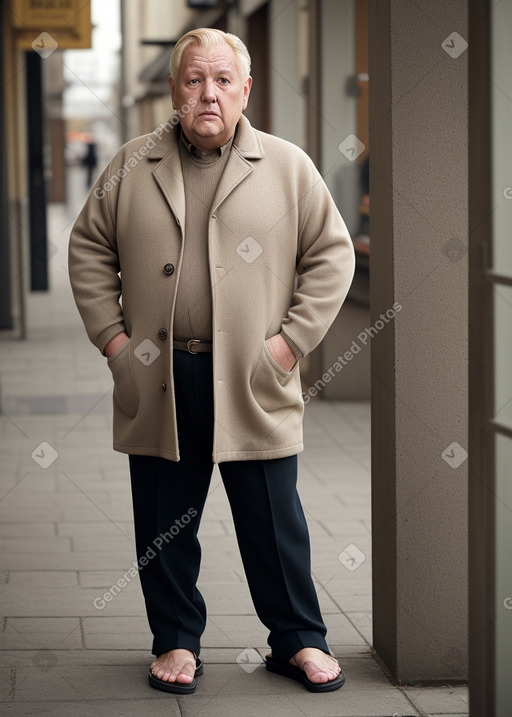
[162,334]
[164,386]
[169,269]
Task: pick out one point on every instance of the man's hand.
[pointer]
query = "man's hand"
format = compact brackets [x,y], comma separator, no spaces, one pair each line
[281,352]
[115,344]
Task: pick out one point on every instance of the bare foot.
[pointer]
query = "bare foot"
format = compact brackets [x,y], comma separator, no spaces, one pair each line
[173,665]
[318,665]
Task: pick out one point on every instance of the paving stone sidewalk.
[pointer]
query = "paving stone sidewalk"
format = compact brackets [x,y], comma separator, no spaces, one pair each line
[66,538]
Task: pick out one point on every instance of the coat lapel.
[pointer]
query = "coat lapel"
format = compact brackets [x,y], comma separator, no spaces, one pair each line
[246,146]
[168,174]
[236,169]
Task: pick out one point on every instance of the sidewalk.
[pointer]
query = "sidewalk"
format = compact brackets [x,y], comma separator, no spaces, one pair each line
[66,538]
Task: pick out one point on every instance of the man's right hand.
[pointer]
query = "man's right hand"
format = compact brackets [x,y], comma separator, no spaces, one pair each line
[115,344]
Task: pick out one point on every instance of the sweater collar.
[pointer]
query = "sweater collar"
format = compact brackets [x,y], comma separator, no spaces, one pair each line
[205,157]
[166,138]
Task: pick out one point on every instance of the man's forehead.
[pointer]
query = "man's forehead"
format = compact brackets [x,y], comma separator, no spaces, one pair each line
[203,57]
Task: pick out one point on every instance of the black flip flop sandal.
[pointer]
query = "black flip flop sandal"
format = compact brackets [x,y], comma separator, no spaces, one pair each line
[295,673]
[178,688]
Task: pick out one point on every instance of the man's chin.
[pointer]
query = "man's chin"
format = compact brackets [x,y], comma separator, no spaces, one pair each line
[208,129]
[212,138]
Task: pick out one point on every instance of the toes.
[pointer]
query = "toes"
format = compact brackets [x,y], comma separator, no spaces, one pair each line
[174,666]
[183,677]
[319,674]
[319,677]
[322,676]
[183,673]
[319,666]
[186,673]
[164,675]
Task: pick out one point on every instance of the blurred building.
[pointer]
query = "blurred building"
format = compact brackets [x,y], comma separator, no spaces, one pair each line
[57,99]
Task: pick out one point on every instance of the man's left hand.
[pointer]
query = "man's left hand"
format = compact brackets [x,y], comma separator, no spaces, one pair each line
[281,352]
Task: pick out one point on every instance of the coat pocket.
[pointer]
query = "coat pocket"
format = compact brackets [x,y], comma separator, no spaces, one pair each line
[272,386]
[125,394]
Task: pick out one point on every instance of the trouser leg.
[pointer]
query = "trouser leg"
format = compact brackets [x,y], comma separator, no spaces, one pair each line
[168,500]
[274,543]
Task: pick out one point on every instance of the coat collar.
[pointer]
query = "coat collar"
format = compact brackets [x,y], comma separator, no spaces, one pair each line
[169,176]
[166,138]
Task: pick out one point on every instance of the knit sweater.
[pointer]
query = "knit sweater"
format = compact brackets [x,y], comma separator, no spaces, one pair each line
[201,176]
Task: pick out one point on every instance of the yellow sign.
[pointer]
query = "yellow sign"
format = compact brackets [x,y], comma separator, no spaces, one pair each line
[45,14]
[44,25]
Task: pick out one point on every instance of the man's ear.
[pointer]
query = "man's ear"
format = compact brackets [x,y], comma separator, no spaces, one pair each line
[172,87]
[247,92]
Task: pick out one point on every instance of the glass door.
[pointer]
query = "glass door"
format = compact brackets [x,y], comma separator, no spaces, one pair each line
[501,277]
[490,242]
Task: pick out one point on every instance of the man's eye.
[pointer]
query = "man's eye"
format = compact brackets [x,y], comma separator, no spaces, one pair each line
[224,80]
[193,82]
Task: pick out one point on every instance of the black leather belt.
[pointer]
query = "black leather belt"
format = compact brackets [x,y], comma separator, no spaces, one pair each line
[193,346]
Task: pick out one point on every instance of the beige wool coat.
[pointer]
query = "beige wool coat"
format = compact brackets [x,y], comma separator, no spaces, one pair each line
[280,259]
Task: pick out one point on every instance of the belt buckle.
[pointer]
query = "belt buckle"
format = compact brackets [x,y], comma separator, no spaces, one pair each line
[192,341]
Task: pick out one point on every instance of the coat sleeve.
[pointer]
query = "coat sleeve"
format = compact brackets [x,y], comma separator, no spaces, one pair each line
[325,268]
[94,265]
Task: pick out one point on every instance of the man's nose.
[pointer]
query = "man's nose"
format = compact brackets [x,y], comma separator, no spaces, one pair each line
[209,94]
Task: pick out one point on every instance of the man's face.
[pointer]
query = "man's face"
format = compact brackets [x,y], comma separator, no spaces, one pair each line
[212,78]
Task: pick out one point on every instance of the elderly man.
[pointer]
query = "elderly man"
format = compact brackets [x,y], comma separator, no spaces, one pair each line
[232,261]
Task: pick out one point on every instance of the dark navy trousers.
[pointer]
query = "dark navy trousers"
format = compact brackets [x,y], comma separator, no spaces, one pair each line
[272,534]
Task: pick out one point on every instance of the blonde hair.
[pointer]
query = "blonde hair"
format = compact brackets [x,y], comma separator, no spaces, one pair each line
[209,37]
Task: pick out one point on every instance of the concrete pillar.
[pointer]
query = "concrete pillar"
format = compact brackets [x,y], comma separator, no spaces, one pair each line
[419,220]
